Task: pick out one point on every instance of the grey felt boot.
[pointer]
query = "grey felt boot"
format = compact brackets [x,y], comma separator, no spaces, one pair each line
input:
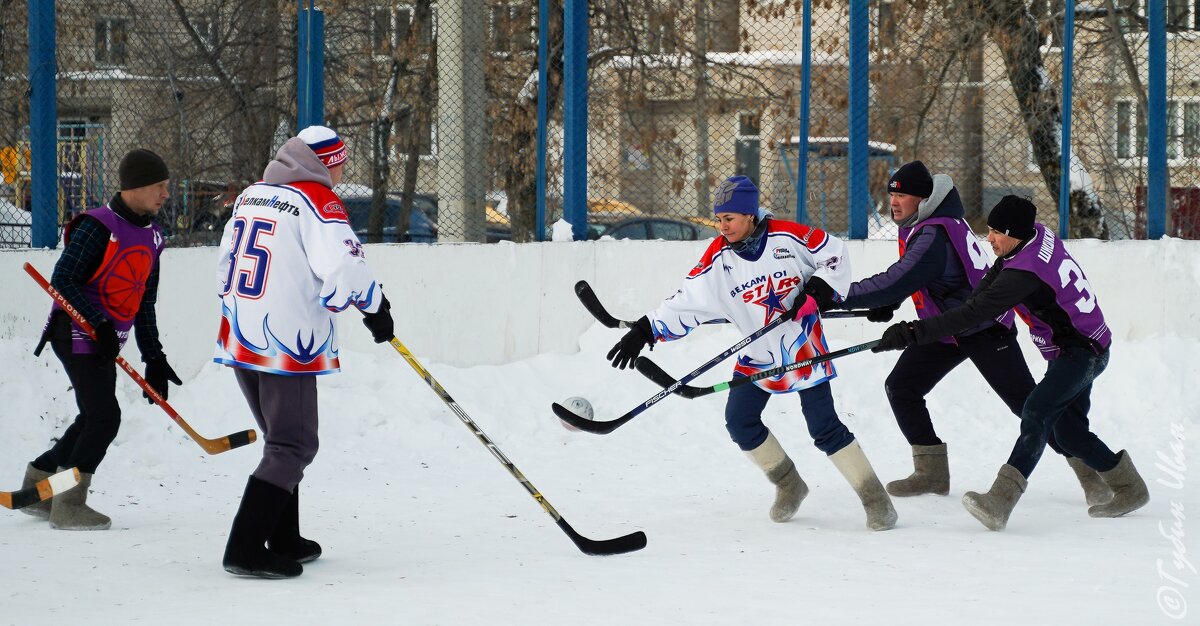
[69,510]
[931,473]
[994,507]
[1129,490]
[790,489]
[854,466]
[33,476]
[1095,490]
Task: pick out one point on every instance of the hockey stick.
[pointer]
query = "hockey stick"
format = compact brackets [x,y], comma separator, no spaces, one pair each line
[211,446]
[619,545]
[41,491]
[592,303]
[651,370]
[603,428]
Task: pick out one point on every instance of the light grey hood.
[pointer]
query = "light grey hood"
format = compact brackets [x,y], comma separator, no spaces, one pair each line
[942,184]
[295,163]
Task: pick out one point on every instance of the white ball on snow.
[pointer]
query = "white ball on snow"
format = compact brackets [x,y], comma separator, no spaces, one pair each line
[580,407]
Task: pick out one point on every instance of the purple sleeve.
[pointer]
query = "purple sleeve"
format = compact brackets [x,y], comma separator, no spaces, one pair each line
[923,261]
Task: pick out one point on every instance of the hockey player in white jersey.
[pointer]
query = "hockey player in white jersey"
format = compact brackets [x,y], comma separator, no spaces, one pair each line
[760,268]
[289,262]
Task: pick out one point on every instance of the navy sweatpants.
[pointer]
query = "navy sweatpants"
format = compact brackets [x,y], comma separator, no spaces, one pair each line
[743,417]
[1059,405]
[285,408]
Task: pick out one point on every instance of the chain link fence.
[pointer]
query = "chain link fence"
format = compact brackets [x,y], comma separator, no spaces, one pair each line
[682,95]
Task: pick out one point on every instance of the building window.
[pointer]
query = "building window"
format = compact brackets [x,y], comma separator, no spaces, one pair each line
[886,34]
[511,27]
[206,29]
[1178,14]
[426,134]
[390,27]
[746,150]
[660,34]
[1183,130]
[110,41]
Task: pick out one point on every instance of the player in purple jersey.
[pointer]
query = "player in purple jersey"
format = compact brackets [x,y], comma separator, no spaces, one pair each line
[108,271]
[940,262]
[1033,269]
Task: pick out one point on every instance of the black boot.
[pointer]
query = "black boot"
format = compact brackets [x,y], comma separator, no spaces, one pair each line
[286,540]
[260,511]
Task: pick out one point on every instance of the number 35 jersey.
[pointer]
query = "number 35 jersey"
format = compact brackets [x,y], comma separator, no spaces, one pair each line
[289,261]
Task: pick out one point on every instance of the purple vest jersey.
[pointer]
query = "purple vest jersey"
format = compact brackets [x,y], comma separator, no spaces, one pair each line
[1045,257]
[970,255]
[118,286]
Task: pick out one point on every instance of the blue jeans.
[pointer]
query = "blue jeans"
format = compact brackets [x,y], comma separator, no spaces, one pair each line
[1060,404]
[743,417]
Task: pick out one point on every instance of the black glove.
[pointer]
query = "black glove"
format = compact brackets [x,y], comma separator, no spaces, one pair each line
[881,314]
[107,344]
[898,336]
[158,373]
[628,348]
[820,291]
[380,322]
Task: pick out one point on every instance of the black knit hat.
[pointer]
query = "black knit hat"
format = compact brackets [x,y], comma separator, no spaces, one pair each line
[141,167]
[1013,216]
[912,179]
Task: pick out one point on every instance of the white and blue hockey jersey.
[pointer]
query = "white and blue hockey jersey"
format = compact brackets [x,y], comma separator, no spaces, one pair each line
[750,291]
[289,261]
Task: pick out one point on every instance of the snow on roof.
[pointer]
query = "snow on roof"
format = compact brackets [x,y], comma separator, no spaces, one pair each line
[812,141]
[741,59]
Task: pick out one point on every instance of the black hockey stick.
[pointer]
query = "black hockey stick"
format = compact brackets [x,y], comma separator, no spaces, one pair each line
[590,302]
[40,491]
[619,545]
[603,428]
[651,370]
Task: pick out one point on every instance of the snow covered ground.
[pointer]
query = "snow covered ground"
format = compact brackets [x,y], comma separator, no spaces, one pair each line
[421,525]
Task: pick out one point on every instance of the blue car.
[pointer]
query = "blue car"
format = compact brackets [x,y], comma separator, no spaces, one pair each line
[421,228]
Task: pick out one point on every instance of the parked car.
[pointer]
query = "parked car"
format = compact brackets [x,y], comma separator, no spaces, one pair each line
[653,228]
[421,227]
[200,205]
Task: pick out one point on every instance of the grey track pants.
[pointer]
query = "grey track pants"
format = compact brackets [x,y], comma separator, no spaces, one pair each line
[285,408]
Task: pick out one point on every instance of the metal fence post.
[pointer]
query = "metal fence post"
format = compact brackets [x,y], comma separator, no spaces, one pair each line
[1064,184]
[858,119]
[43,124]
[310,65]
[805,92]
[575,116]
[543,92]
[1156,128]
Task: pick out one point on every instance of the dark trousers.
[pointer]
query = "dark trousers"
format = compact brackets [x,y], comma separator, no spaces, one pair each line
[743,417]
[86,440]
[285,408]
[994,352]
[1059,405]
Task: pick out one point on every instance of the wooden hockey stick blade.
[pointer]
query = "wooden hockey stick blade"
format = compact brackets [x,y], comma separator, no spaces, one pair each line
[41,491]
[211,446]
[604,547]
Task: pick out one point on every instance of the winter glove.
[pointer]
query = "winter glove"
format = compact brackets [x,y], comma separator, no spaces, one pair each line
[380,322]
[898,336]
[628,348]
[881,314]
[158,373]
[804,306]
[107,344]
[820,291]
